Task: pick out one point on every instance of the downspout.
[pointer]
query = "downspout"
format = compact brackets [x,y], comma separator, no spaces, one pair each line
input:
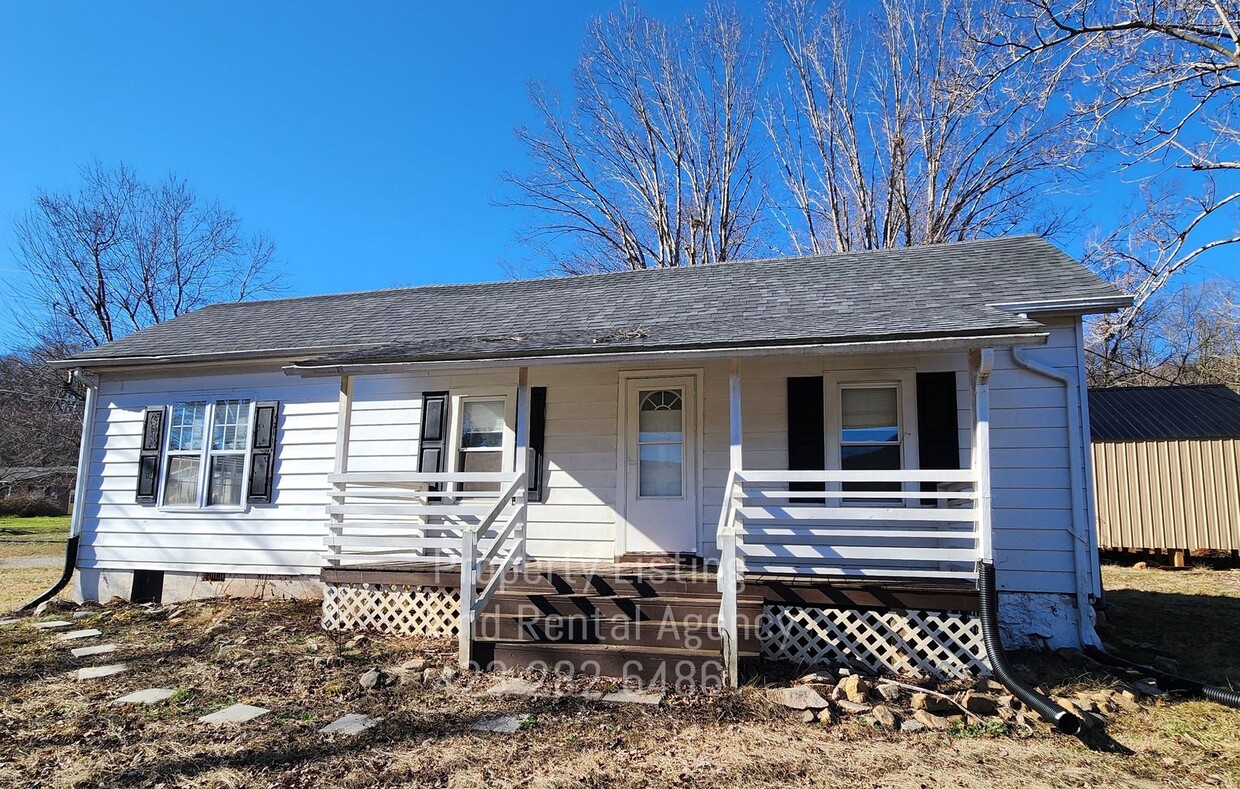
[1076,467]
[91,383]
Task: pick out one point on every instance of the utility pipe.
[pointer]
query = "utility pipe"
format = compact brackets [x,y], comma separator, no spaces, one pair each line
[91,384]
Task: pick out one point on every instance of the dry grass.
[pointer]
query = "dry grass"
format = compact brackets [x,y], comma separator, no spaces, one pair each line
[26,539]
[59,732]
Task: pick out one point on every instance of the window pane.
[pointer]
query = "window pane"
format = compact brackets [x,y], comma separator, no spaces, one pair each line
[230,427]
[181,485]
[481,461]
[661,417]
[660,470]
[883,457]
[482,424]
[186,427]
[869,414]
[226,477]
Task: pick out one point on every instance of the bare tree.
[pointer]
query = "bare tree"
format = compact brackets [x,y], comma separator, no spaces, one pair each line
[1190,335]
[890,131]
[1157,81]
[40,415]
[655,164]
[119,255]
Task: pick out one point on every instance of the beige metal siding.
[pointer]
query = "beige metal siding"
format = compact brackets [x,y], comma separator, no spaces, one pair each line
[1182,495]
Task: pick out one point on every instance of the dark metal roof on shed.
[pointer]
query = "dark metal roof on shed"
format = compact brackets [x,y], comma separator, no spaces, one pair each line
[963,289]
[1151,413]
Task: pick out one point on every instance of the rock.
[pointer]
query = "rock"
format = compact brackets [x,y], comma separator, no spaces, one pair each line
[888,692]
[1147,689]
[884,717]
[1126,700]
[1085,704]
[1011,702]
[417,664]
[798,698]
[375,679]
[1141,566]
[355,642]
[855,688]
[809,716]
[931,703]
[852,707]
[817,678]
[979,703]
[986,685]
[931,721]
[447,674]
[1166,665]
[429,675]
[500,724]
[828,717]
[912,726]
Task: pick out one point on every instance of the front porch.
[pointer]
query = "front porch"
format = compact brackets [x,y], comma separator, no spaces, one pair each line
[871,567]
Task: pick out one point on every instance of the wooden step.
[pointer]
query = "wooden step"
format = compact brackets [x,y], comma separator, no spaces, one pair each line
[618,631]
[634,608]
[672,667]
[609,584]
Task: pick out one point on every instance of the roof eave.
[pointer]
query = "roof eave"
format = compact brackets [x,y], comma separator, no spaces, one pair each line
[1082,306]
[309,369]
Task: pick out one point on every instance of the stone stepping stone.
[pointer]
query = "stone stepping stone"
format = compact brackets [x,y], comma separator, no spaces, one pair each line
[55,624]
[353,723]
[500,724]
[74,635]
[634,697]
[100,649]
[591,695]
[148,696]
[513,687]
[237,713]
[11,620]
[84,614]
[96,672]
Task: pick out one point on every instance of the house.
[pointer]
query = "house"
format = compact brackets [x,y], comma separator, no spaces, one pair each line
[1167,468]
[802,459]
[37,490]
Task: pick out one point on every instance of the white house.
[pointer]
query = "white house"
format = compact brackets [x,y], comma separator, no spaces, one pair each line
[832,442]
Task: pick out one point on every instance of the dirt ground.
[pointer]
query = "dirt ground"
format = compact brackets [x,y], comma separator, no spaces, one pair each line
[57,731]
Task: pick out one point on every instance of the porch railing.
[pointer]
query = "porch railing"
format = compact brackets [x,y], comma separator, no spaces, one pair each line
[879,524]
[474,519]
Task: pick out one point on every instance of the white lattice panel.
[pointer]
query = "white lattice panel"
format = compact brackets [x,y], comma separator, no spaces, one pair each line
[926,643]
[388,608]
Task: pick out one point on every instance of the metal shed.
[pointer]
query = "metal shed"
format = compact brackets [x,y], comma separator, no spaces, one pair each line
[1167,468]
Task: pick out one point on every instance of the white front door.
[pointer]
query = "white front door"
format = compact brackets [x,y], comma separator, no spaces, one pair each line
[660,465]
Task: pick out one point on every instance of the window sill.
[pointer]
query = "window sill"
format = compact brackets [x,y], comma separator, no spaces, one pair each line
[206,510]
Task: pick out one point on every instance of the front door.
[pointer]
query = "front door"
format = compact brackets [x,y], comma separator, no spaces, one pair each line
[660,466]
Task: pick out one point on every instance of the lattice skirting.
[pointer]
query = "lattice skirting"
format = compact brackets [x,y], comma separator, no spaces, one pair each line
[389,608]
[926,643]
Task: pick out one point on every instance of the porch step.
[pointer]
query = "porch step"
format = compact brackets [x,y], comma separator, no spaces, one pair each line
[672,667]
[615,631]
[637,584]
[638,609]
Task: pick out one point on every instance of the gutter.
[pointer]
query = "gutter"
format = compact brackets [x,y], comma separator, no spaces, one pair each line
[310,369]
[79,491]
[1076,457]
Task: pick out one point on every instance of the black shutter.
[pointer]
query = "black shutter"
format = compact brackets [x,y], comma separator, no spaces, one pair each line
[938,437]
[432,439]
[538,434]
[148,458]
[807,437]
[263,452]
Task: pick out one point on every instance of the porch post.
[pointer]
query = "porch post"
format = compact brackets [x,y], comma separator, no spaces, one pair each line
[522,460]
[344,421]
[981,362]
[730,575]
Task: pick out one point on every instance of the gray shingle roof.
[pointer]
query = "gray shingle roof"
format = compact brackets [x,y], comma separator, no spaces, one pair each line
[918,292]
[1151,413]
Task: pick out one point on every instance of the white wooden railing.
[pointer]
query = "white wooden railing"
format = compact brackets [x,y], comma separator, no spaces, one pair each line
[897,534]
[430,519]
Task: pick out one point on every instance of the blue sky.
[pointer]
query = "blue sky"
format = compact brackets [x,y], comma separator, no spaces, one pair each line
[366,139]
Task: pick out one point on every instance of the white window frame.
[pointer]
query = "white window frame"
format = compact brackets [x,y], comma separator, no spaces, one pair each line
[204,454]
[905,383]
[456,412]
[682,391]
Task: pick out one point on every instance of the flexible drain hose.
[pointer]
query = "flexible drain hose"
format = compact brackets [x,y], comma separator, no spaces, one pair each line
[988,608]
[1229,698]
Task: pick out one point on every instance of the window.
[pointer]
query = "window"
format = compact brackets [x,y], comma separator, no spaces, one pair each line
[206,467]
[660,444]
[870,432]
[482,439]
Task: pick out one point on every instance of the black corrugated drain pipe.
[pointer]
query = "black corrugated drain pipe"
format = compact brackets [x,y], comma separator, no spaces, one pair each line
[988,609]
[1224,696]
[65,576]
